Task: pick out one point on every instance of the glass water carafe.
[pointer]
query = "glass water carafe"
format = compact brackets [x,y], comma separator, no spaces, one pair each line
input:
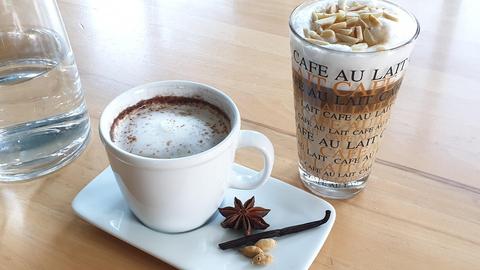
[43,119]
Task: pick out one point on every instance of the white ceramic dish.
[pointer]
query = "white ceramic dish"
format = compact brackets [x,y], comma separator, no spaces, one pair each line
[101,204]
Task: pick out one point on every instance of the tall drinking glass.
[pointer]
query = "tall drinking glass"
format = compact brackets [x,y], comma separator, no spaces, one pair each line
[43,118]
[347,69]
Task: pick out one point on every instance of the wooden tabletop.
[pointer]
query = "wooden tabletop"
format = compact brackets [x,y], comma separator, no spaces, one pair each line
[421,209]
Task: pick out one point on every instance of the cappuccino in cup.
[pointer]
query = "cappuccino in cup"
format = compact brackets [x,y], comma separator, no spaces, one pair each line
[171,147]
[169,127]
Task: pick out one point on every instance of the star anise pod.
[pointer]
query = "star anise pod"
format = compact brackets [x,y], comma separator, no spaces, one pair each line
[244,216]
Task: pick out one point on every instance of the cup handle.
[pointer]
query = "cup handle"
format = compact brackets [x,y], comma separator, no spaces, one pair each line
[249,138]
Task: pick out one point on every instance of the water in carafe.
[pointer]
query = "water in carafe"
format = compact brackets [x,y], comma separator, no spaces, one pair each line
[43,118]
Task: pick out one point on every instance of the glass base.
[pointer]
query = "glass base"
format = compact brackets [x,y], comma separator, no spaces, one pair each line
[329,189]
[35,149]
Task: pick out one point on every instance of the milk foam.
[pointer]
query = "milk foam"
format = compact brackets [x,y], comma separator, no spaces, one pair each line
[163,130]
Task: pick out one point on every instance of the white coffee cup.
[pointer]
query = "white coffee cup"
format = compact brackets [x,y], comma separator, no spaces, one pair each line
[181,194]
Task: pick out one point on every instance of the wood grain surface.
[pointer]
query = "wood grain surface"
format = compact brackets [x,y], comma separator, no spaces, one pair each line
[421,209]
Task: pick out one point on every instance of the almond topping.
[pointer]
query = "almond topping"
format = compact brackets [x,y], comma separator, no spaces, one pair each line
[321,15]
[305,33]
[316,41]
[363,11]
[338,25]
[340,16]
[326,21]
[362,23]
[350,24]
[390,16]
[332,9]
[368,37]
[327,34]
[344,31]
[317,27]
[364,16]
[354,8]
[348,39]
[358,33]
[374,21]
[314,35]
[352,21]
[351,14]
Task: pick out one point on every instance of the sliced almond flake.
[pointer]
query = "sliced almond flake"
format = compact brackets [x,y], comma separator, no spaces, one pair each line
[365,16]
[314,16]
[340,16]
[326,21]
[390,16]
[359,47]
[348,39]
[359,33]
[322,15]
[374,21]
[318,29]
[362,23]
[351,14]
[363,11]
[314,35]
[368,37]
[344,31]
[327,34]
[353,31]
[352,21]
[354,8]
[318,42]
[341,5]
[338,25]
[305,33]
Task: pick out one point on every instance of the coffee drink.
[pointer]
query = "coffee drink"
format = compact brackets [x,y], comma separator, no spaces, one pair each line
[348,61]
[155,152]
[169,127]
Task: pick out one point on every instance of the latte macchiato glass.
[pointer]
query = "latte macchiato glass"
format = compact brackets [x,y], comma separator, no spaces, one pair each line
[171,146]
[348,61]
